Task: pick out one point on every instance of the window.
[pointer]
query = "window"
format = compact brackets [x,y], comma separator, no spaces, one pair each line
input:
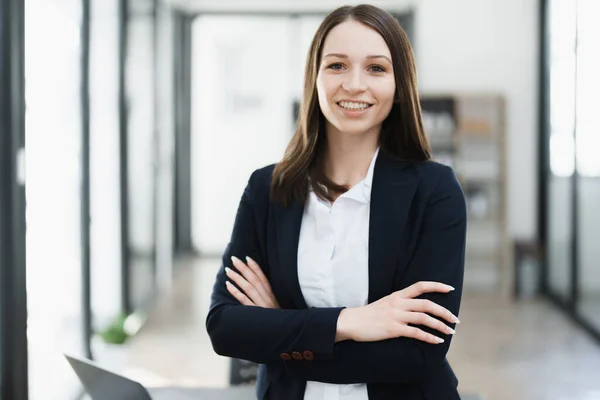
[53,137]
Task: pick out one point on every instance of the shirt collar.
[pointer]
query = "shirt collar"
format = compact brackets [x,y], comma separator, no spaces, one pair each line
[369,178]
[367,182]
[362,190]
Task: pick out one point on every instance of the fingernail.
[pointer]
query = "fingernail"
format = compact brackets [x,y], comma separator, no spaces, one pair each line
[248,259]
[234,258]
[456,320]
[227,283]
[451,288]
[227,270]
[440,340]
[452,331]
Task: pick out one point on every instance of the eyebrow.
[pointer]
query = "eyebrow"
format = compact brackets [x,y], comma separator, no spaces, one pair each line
[369,57]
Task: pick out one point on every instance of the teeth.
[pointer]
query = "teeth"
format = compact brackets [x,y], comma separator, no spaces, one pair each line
[353,106]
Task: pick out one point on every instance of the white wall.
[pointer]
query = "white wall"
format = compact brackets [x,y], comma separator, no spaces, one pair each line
[463,46]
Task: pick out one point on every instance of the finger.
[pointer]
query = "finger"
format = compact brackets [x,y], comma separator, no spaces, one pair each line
[245,286]
[416,333]
[417,289]
[428,306]
[253,265]
[261,280]
[251,278]
[418,318]
[241,297]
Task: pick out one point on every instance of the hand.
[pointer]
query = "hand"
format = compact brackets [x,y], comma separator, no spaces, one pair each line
[256,289]
[389,317]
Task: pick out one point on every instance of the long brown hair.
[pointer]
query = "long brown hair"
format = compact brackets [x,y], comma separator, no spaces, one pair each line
[402,136]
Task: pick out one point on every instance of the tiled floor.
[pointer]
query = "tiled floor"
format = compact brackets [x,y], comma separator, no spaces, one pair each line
[502,350]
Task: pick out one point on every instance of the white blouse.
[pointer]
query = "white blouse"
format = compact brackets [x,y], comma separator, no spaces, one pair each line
[333,264]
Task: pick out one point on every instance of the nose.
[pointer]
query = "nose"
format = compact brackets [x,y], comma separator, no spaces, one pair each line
[355,83]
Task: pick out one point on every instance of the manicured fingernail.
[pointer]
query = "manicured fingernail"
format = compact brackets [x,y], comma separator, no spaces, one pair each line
[452,331]
[440,340]
[227,270]
[456,320]
[450,287]
[248,259]
[234,258]
[227,283]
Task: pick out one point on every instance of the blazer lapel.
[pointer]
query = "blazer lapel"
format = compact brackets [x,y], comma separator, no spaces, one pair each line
[288,222]
[392,192]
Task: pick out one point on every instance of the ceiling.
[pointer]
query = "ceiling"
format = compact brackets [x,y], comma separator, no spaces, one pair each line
[292,6]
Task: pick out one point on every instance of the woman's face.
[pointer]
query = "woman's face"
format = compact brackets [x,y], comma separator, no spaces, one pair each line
[355,83]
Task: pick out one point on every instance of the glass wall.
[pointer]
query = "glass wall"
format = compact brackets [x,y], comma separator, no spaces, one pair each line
[573,217]
[562,36]
[165,155]
[57,286]
[105,221]
[53,194]
[588,160]
[141,148]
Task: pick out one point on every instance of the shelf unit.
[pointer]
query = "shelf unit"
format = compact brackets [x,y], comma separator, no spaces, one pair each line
[468,132]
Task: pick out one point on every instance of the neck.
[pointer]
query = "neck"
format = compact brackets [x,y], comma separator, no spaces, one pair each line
[348,157]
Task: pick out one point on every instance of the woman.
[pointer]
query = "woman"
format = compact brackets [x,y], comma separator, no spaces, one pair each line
[353,245]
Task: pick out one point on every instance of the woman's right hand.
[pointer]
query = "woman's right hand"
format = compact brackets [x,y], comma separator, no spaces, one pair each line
[390,316]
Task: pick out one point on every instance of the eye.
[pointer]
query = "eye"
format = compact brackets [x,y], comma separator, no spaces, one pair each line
[377,68]
[336,66]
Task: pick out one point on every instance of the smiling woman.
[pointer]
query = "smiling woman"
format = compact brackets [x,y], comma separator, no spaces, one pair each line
[361,57]
[356,89]
[353,244]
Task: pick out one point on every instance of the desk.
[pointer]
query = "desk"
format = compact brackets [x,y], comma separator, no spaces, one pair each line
[245,392]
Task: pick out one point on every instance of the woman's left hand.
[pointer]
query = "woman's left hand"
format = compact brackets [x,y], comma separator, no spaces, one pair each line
[256,289]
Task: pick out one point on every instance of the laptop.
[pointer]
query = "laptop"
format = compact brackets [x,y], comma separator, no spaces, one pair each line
[101,384]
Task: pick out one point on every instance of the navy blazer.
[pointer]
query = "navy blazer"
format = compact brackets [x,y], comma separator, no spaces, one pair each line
[417,233]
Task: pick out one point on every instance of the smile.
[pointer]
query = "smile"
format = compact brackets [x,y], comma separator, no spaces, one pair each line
[353,106]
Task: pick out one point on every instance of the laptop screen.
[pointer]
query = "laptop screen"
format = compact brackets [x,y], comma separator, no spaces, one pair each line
[101,384]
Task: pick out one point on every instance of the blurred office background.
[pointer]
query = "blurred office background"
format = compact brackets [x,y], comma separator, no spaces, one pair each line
[129,128]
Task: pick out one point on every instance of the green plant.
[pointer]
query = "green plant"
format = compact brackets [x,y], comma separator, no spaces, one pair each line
[115,333]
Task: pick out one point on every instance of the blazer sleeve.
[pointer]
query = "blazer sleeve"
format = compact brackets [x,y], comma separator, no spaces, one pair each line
[258,334]
[438,256]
